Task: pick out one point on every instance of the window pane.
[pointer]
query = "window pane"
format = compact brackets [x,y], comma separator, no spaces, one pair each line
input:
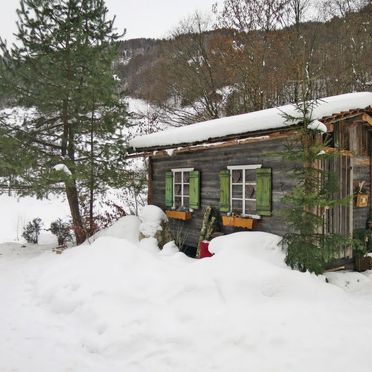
[250,191]
[237,206]
[186,177]
[177,201]
[250,207]
[237,191]
[186,202]
[186,190]
[177,177]
[237,176]
[250,175]
[177,189]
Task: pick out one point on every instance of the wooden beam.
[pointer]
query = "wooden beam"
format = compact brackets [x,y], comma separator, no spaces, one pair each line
[331,150]
[367,119]
[207,146]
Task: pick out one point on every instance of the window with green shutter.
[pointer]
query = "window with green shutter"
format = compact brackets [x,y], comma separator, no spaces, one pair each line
[194,189]
[178,184]
[246,190]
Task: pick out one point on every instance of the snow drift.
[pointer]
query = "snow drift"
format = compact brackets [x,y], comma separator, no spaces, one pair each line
[117,305]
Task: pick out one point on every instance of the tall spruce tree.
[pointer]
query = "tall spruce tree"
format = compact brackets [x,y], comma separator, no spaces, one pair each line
[61,69]
[308,245]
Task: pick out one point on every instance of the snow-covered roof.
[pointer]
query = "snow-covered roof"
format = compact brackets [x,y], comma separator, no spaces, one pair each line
[273,118]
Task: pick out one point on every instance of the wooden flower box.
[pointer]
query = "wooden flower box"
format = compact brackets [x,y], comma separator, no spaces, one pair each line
[244,222]
[178,215]
[361,200]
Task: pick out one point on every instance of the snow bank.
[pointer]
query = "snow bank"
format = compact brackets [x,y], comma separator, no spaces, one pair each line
[122,305]
[126,227]
[140,309]
[265,246]
[260,120]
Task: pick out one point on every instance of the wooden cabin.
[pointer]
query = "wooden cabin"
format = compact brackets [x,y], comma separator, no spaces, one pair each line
[234,164]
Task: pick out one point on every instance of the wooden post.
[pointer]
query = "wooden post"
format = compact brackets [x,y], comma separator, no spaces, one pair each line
[150,177]
[208,226]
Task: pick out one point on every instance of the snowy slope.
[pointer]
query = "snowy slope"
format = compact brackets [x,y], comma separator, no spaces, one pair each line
[260,120]
[15,213]
[117,305]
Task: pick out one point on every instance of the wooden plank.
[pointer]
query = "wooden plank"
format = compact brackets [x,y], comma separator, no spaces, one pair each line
[222,143]
[150,176]
[367,118]
[330,150]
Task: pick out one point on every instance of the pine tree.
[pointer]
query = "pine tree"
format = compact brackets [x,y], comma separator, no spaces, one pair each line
[61,68]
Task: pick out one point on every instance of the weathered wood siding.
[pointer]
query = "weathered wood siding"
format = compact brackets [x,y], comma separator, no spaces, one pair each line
[209,162]
[361,172]
[360,145]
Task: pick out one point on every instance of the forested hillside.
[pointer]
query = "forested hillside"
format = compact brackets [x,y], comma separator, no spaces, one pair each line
[200,74]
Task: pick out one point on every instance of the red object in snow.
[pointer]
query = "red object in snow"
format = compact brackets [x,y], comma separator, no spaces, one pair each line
[204,251]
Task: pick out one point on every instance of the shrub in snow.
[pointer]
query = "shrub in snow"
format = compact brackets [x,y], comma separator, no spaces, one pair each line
[61,230]
[32,230]
[180,233]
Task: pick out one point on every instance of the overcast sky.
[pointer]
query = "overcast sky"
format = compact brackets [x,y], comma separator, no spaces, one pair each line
[141,18]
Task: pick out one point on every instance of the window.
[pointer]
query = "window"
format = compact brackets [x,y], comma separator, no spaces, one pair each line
[181,188]
[246,190]
[243,189]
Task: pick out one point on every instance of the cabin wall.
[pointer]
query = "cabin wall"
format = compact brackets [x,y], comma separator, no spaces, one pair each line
[359,138]
[210,162]
[361,172]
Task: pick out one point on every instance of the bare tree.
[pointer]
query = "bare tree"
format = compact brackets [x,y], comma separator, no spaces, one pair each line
[248,15]
[341,8]
[194,73]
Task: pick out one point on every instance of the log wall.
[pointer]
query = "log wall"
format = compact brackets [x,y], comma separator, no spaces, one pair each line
[209,162]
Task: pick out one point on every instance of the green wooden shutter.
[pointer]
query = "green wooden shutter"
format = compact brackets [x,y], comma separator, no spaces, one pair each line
[225,190]
[263,191]
[194,190]
[169,189]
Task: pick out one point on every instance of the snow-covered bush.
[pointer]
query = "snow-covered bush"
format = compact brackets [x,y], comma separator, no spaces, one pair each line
[61,230]
[32,230]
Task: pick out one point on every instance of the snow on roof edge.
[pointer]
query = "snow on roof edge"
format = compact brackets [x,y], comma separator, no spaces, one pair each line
[273,118]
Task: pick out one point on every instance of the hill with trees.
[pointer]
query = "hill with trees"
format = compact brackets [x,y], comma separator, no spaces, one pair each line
[200,74]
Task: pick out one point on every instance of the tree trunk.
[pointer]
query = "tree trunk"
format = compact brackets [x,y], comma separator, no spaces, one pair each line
[91,181]
[73,201]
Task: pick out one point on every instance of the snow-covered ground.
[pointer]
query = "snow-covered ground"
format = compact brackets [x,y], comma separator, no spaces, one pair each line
[16,212]
[121,305]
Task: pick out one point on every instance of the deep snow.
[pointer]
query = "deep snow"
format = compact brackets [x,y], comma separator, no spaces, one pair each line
[16,212]
[118,305]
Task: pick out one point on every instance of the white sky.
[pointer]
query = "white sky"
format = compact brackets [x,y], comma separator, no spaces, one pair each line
[141,18]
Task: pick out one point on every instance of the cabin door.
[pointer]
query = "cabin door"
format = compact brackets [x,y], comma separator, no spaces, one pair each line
[339,220]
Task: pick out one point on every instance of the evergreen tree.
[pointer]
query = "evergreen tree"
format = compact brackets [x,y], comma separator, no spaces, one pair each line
[308,245]
[32,230]
[61,68]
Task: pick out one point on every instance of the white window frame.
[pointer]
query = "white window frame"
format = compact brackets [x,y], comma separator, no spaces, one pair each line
[182,183]
[243,199]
